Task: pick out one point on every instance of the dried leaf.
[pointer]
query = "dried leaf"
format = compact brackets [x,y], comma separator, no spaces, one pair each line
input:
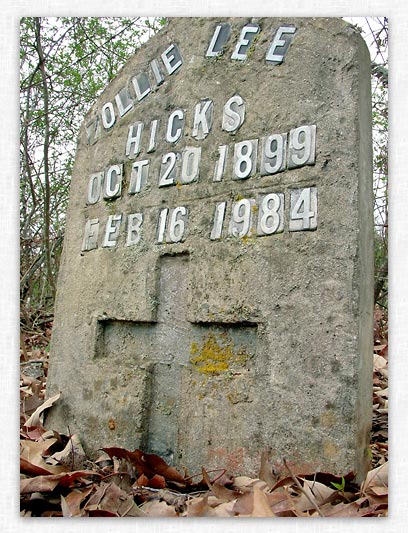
[157,482]
[379,362]
[244,504]
[147,463]
[206,477]
[281,503]
[341,510]
[320,492]
[97,496]
[71,503]
[362,507]
[225,510]
[73,455]
[40,483]
[382,393]
[35,433]
[200,507]
[379,348]
[222,493]
[142,481]
[100,513]
[33,453]
[261,506]
[49,482]
[258,483]
[36,419]
[379,491]
[243,482]
[315,494]
[115,451]
[159,466]
[158,509]
[110,500]
[376,478]
[32,403]
[32,470]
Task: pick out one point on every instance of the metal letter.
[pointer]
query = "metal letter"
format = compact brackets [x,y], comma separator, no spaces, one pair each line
[123,101]
[177,224]
[190,164]
[112,228]
[303,209]
[141,84]
[170,136]
[233,114]
[138,176]
[220,164]
[245,154]
[93,131]
[90,235]
[133,140]
[172,59]
[134,223]
[270,217]
[241,218]
[278,42]
[113,182]
[168,170]
[220,37]
[153,133]
[158,76]
[108,115]
[161,224]
[273,157]
[95,188]
[203,116]
[243,44]
[302,146]
[219,216]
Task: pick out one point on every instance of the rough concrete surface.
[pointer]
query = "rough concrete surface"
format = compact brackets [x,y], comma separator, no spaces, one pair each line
[212,332]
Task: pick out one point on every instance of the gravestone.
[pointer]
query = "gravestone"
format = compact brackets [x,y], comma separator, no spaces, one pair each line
[215,292]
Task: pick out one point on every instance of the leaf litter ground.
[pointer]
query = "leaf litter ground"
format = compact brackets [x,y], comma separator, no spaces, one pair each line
[57,479]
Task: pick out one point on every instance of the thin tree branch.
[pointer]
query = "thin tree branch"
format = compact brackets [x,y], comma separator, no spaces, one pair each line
[46,158]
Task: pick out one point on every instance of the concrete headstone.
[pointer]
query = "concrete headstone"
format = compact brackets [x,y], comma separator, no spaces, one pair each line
[215,292]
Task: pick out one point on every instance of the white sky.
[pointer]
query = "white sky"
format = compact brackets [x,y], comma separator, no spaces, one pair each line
[369,25]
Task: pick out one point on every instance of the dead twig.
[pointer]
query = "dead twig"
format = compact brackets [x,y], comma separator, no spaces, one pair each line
[311,500]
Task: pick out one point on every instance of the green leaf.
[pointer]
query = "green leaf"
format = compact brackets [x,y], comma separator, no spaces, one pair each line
[339,486]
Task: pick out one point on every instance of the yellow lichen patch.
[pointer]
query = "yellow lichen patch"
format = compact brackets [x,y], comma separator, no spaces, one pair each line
[215,356]
[194,348]
[247,239]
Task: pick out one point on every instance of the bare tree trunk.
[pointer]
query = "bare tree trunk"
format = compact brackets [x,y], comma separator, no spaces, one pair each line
[46,232]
